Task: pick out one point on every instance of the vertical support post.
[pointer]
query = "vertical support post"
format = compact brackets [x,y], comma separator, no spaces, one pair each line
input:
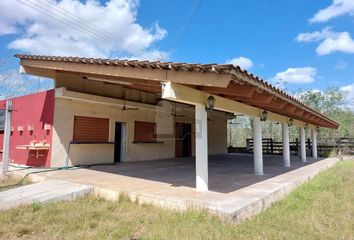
[302,144]
[6,144]
[286,145]
[314,144]
[201,151]
[257,146]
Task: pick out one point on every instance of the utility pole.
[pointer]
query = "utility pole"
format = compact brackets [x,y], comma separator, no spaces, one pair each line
[7,132]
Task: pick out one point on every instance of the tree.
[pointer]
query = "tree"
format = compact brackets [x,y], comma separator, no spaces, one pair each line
[333,103]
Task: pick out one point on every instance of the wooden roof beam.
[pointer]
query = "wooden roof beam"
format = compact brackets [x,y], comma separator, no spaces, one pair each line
[150,89]
[231,90]
[299,112]
[289,108]
[277,103]
[256,98]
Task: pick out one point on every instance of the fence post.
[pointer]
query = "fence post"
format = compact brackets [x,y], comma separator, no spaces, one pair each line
[271,146]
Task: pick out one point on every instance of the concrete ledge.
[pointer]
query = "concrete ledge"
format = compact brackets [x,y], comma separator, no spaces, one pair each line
[42,192]
[254,199]
[234,205]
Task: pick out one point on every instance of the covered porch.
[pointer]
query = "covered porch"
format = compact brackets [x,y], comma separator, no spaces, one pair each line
[205,89]
[234,191]
[176,177]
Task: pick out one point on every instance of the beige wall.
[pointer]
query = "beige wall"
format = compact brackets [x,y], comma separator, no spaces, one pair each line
[66,109]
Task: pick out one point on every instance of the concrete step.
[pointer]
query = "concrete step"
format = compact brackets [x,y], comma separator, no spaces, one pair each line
[47,191]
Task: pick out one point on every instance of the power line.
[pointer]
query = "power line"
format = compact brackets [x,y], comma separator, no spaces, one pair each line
[43,11]
[188,20]
[89,25]
[97,33]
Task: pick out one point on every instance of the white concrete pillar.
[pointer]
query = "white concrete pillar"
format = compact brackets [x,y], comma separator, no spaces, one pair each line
[6,143]
[286,145]
[302,144]
[257,146]
[201,148]
[314,143]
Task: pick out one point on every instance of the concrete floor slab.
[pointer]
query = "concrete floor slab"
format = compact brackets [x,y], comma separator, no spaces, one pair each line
[235,192]
[46,191]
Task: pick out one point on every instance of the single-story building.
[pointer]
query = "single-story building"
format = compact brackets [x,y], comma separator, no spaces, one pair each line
[109,111]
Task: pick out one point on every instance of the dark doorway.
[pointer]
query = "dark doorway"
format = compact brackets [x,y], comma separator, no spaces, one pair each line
[183,140]
[119,142]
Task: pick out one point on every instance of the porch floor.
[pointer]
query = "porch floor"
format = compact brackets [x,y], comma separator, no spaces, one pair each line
[234,190]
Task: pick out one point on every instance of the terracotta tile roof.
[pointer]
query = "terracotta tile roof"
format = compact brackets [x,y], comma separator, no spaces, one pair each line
[195,67]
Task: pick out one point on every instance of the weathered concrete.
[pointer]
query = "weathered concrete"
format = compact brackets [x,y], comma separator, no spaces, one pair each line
[234,191]
[46,191]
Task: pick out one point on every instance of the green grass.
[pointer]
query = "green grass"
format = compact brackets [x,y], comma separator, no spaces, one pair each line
[322,208]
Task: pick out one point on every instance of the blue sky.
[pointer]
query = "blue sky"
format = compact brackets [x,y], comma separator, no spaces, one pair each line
[302,44]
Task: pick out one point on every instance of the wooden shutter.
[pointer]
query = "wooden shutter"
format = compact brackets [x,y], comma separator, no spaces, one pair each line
[90,129]
[144,132]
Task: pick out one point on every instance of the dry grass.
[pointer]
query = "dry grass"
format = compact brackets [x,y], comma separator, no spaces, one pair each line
[7,183]
[323,208]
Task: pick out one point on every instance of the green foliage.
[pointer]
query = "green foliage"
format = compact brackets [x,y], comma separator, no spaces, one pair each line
[328,101]
[36,207]
[333,103]
[239,129]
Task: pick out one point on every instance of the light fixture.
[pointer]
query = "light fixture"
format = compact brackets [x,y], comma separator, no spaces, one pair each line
[291,122]
[264,116]
[210,103]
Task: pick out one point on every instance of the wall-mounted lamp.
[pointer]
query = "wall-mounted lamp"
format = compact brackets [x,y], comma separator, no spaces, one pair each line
[306,125]
[210,103]
[264,116]
[290,122]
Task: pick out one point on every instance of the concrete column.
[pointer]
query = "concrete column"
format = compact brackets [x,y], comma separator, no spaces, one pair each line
[6,143]
[201,148]
[302,144]
[286,145]
[257,146]
[314,143]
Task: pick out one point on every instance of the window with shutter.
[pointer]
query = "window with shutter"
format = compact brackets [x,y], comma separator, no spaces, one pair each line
[91,129]
[144,132]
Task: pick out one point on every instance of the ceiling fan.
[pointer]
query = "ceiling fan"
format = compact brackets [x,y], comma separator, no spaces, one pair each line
[125,107]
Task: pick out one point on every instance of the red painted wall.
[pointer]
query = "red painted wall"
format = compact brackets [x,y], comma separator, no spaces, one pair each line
[35,110]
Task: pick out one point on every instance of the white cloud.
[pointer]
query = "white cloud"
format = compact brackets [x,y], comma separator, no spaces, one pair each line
[330,41]
[301,75]
[350,90]
[338,8]
[107,29]
[243,62]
